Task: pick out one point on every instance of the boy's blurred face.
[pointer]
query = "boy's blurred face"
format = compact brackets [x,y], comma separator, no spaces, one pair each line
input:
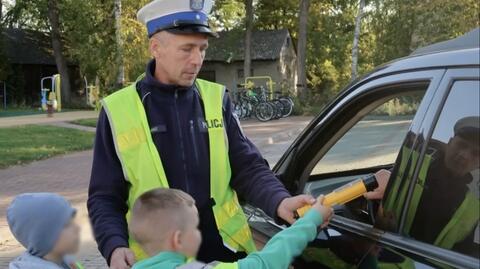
[69,240]
[190,237]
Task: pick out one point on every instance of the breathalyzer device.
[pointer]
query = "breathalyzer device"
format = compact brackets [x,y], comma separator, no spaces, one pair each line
[344,194]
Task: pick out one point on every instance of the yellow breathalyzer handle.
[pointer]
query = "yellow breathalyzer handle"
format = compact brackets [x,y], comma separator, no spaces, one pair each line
[344,194]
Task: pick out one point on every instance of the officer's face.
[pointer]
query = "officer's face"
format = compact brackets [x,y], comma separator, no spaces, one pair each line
[178,57]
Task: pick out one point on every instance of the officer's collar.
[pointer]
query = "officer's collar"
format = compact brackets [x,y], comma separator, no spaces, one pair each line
[153,83]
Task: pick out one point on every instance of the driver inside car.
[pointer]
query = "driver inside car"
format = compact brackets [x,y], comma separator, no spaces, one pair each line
[443,210]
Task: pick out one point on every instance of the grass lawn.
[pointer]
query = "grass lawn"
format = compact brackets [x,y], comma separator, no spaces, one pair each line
[20,145]
[19,112]
[86,122]
[13,112]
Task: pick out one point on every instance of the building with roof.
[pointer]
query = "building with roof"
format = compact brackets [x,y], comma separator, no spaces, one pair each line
[273,54]
[30,56]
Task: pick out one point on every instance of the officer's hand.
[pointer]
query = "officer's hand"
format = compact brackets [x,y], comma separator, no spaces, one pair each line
[122,258]
[289,205]
[382,177]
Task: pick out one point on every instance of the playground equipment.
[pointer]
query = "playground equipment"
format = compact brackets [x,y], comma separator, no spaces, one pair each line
[92,94]
[51,97]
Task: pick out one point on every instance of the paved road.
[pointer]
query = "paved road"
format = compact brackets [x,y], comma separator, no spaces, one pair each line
[43,119]
[68,175]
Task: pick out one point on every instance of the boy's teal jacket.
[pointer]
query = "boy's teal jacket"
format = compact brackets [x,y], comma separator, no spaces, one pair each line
[278,253]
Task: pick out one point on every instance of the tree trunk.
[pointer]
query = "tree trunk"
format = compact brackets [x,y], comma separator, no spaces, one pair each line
[248,38]
[302,50]
[356,39]
[57,45]
[119,43]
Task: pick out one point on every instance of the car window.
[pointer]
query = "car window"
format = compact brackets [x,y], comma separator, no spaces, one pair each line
[375,140]
[444,206]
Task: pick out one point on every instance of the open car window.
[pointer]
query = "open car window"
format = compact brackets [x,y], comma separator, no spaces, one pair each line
[375,140]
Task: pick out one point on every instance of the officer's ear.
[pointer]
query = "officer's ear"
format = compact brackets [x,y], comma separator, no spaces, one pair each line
[158,42]
[154,46]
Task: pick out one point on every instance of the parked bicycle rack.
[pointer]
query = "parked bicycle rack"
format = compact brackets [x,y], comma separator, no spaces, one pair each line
[260,100]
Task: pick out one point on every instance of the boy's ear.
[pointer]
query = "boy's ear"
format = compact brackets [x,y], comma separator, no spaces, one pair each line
[177,240]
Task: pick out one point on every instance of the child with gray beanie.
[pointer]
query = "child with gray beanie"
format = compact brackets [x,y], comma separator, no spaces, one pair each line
[43,224]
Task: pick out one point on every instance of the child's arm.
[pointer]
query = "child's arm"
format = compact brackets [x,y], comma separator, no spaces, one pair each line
[279,252]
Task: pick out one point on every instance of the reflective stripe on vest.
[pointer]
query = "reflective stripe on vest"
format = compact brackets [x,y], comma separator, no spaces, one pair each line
[398,193]
[417,190]
[142,165]
[462,222]
[212,265]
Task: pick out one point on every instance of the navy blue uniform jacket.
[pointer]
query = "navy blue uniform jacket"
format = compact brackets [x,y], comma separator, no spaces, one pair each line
[176,120]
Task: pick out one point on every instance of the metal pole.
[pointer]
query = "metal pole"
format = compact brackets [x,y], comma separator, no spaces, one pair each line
[4,95]
[86,90]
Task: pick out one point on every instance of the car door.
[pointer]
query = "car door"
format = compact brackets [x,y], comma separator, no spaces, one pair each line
[342,246]
[442,191]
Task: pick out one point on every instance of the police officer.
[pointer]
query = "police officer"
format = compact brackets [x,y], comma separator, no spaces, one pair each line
[172,130]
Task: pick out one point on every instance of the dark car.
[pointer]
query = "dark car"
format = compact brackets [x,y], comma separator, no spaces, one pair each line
[419,118]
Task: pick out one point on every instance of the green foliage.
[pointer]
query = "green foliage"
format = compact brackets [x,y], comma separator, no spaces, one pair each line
[280,14]
[227,15]
[390,29]
[20,145]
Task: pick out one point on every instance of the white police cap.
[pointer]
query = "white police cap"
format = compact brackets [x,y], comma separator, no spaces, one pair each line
[177,16]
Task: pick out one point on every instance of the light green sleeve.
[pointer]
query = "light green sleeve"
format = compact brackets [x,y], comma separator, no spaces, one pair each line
[281,249]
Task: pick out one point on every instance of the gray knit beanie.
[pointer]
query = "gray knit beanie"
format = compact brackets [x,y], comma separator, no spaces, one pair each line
[37,219]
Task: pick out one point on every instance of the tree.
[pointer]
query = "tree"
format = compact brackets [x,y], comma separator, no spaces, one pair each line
[356,37]
[58,52]
[302,50]
[227,15]
[248,38]
[279,14]
[119,43]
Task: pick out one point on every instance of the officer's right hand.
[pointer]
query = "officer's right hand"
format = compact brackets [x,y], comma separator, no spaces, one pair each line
[122,258]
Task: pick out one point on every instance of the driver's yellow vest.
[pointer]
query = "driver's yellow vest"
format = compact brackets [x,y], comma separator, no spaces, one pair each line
[462,222]
[143,169]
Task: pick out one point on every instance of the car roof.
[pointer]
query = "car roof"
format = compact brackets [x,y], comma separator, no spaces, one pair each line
[468,41]
[458,52]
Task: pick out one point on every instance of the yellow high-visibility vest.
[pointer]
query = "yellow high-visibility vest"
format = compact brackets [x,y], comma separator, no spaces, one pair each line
[462,222]
[143,169]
